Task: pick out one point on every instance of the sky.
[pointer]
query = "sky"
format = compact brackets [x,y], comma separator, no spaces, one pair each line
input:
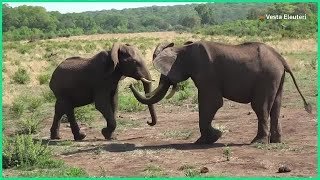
[69,7]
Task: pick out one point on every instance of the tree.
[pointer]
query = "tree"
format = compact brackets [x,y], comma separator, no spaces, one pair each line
[206,13]
[190,21]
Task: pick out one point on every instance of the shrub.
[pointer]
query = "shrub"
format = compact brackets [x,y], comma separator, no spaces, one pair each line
[21,76]
[22,151]
[30,124]
[17,109]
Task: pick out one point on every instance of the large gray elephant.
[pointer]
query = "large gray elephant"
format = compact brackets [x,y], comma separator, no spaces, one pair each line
[80,81]
[247,73]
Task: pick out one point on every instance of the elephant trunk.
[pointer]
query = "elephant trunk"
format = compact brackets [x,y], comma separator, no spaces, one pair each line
[157,94]
[147,89]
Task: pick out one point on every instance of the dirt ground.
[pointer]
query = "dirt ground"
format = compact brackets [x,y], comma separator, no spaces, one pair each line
[138,148]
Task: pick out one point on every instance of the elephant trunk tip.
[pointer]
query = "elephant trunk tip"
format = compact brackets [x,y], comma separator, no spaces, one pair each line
[308,108]
[152,123]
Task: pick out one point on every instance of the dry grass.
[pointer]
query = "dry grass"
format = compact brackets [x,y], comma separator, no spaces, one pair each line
[33,59]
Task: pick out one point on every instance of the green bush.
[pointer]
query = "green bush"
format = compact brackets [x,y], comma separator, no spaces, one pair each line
[17,108]
[21,76]
[29,124]
[22,151]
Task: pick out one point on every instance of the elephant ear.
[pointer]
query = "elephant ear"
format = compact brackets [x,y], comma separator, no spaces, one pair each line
[115,54]
[165,60]
[160,47]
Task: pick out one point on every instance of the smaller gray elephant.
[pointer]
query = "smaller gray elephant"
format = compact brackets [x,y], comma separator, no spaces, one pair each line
[251,72]
[80,81]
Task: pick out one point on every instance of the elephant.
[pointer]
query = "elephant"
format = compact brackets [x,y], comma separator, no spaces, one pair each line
[251,72]
[79,81]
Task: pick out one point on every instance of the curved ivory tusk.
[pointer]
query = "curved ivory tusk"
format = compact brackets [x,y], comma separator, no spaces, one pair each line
[172,92]
[145,80]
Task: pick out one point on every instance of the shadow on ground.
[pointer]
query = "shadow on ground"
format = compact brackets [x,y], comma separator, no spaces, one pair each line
[125,147]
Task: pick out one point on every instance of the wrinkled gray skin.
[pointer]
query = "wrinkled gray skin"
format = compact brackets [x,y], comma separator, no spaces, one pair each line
[246,73]
[80,81]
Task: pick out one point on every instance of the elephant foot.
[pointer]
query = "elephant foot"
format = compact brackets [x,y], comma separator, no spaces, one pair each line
[79,136]
[108,134]
[260,139]
[209,138]
[54,135]
[275,138]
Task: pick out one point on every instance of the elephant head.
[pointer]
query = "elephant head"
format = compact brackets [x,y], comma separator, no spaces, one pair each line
[170,62]
[131,64]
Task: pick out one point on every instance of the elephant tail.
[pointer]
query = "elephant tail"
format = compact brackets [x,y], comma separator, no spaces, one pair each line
[307,106]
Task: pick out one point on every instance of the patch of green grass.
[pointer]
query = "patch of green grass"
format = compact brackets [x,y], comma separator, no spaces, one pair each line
[178,134]
[65,143]
[44,78]
[33,103]
[127,124]
[22,152]
[153,171]
[23,49]
[185,91]
[21,76]
[227,153]
[58,172]
[85,114]
[277,146]
[189,170]
[192,173]
[128,103]
[89,47]
[185,166]
[48,96]
[23,103]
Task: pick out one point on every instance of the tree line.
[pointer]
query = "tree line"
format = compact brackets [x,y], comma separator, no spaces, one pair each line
[35,22]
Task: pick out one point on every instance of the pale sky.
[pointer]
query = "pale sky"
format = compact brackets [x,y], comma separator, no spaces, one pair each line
[69,7]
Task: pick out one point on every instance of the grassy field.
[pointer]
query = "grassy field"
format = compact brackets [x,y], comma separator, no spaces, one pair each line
[28,106]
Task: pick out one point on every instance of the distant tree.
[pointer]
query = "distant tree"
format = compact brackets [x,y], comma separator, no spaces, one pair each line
[206,13]
[190,21]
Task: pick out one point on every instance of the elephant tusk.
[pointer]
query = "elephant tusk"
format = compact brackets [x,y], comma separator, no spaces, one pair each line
[172,92]
[145,80]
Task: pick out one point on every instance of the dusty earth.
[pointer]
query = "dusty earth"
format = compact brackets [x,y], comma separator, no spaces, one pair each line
[165,146]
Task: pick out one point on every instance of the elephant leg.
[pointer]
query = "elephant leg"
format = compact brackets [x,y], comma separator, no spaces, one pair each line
[107,109]
[73,124]
[275,126]
[261,105]
[59,112]
[209,103]
[114,101]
